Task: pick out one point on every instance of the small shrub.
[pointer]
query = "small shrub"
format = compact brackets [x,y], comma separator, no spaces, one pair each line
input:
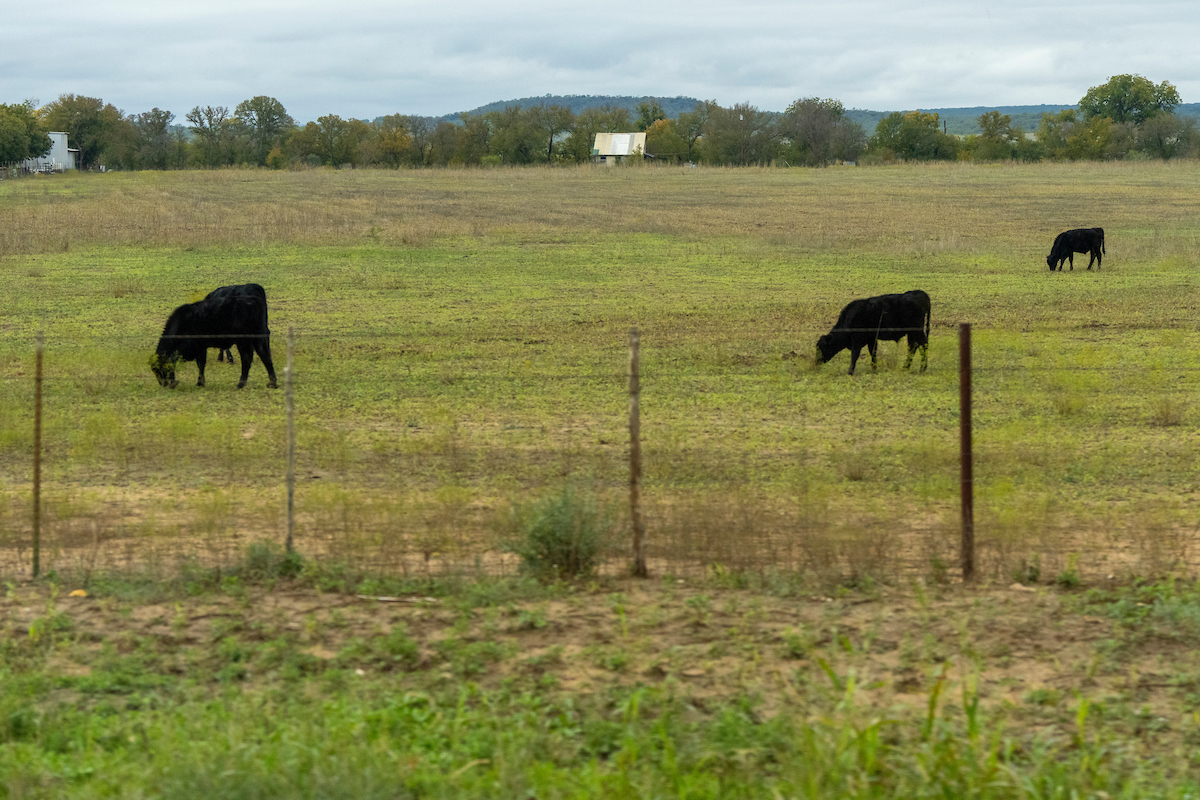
[1167,412]
[1069,577]
[939,571]
[265,560]
[1030,571]
[560,535]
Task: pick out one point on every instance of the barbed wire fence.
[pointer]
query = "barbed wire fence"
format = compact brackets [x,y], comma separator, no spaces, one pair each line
[106,493]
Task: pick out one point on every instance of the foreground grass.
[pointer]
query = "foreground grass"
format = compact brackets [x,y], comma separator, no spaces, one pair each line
[239,684]
[461,344]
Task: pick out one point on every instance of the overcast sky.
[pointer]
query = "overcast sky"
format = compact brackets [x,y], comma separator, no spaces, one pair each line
[358,58]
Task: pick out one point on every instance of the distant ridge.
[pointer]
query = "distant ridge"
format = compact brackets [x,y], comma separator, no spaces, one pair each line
[673,106]
[961,121]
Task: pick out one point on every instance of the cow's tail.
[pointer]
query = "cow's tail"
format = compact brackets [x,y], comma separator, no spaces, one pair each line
[928,317]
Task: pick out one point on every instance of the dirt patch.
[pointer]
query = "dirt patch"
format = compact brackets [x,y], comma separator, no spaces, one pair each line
[1026,653]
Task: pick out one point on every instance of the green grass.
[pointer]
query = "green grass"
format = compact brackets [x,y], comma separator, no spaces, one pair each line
[443,376]
[262,686]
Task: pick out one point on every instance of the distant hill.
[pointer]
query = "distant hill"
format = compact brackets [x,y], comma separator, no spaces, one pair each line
[961,121]
[673,106]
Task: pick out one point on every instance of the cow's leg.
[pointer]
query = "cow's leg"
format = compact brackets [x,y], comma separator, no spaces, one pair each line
[263,348]
[1071,258]
[924,356]
[200,360]
[912,348]
[854,351]
[872,346]
[246,353]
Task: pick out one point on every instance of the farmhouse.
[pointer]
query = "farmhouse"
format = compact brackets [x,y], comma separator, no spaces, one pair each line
[609,148]
[59,158]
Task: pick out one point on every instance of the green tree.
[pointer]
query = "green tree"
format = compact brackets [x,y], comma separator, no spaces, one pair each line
[1053,130]
[551,122]
[212,129]
[158,146]
[335,141]
[817,133]
[999,140]
[1129,98]
[443,143]
[513,136]
[392,141]
[690,125]
[21,134]
[915,136]
[664,142]
[266,122]
[473,140]
[89,122]
[420,129]
[302,143]
[648,113]
[740,135]
[1091,140]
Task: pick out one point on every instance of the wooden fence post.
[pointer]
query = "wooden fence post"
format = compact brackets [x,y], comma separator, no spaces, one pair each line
[290,404]
[967,477]
[37,458]
[635,456]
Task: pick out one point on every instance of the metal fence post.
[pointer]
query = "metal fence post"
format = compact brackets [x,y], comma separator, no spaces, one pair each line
[37,458]
[290,404]
[635,455]
[967,478]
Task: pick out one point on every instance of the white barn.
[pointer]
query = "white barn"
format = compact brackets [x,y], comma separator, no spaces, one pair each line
[59,158]
[611,147]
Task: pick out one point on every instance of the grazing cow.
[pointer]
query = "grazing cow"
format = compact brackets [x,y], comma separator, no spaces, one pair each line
[890,317]
[1080,240]
[240,290]
[233,320]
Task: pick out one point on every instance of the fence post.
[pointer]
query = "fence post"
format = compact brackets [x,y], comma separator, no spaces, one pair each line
[635,455]
[291,441]
[967,478]
[37,458]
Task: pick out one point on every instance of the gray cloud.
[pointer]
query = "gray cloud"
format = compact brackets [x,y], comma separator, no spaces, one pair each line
[363,59]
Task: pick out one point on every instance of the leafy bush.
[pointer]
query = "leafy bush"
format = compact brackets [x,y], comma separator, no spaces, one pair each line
[560,535]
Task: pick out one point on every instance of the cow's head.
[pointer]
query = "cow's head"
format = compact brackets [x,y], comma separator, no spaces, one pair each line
[1050,262]
[163,367]
[826,348]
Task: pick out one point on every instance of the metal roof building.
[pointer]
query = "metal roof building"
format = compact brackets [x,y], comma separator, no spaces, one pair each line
[58,159]
[611,147]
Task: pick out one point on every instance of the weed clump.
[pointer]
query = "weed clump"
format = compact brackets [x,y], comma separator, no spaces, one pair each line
[560,535]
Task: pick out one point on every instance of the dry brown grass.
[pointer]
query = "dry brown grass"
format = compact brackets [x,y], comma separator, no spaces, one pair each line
[962,208]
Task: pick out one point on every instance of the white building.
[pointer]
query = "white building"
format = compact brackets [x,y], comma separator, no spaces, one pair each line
[611,147]
[58,159]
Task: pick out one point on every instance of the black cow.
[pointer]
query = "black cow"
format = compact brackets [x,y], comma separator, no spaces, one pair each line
[890,317]
[240,290]
[232,320]
[1080,240]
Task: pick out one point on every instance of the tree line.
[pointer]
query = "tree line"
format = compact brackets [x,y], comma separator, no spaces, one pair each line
[1127,117]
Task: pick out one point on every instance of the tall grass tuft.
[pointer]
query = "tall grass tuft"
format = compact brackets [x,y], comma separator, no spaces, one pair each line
[560,535]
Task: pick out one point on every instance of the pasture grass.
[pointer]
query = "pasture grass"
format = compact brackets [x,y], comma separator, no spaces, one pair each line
[461,348]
